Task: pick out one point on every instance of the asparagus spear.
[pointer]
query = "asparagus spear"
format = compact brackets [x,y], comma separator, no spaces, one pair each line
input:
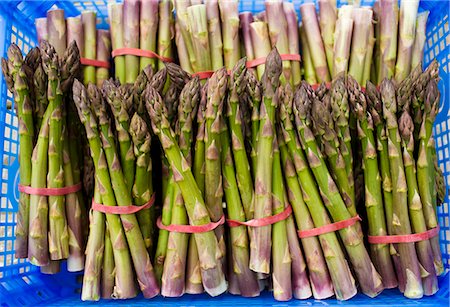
[293,38]
[41,29]
[318,272]
[343,282]
[368,277]
[198,27]
[165,32]
[131,21]
[328,16]
[114,95]
[245,19]
[253,89]
[75,32]
[400,220]
[261,43]
[103,53]
[281,275]
[207,244]
[183,23]
[125,286]
[89,20]
[238,83]
[143,186]
[17,83]
[373,197]
[148,27]
[214,33]
[440,184]
[56,28]
[425,167]
[261,236]
[58,234]
[309,72]
[92,289]
[183,53]
[109,268]
[407,32]
[193,274]
[312,30]
[246,279]
[217,87]
[115,14]
[420,37]
[368,63]
[424,251]
[229,15]
[388,38]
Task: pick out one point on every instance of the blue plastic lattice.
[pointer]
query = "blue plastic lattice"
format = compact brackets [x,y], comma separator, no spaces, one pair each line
[22,284]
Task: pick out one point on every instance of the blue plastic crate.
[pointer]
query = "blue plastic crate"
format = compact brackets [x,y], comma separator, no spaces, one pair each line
[22,284]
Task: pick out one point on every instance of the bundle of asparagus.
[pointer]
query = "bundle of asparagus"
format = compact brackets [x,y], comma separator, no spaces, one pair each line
[52,210]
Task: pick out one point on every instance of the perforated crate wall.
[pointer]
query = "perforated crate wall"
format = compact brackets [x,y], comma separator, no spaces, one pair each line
[22,284]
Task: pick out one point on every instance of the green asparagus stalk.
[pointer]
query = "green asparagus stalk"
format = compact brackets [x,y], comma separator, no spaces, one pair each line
[245,19]
[75,32]
[318,272]
[92,289]
[281,275]
[388,38]
[193,274]
[131,37]
[18,84]
[165,32]
[56,28]
[261,43]
[261,236]
[362,22]
[143,185]
[341,276]
[115,13]
[103,54]
[207,244]
[199,150]
[368,58]
[214,33]
[183,53]
[198,27]
[238,83]
[425,167]
[420,37]
[407,32]
[40,92]
[293,39]
[229,14]
[58,234]
[372,179]
[309,72]
[423,248]
[376,51]
[246,279]
[148,27]
[217,87]
[108,271]
[400,220]
[254,91]
[328,16]
[183,23]
[125,285]
[114,96]
[277,25]
[440,184]
[41,29]
[368,277]
[312,30]
[89,20]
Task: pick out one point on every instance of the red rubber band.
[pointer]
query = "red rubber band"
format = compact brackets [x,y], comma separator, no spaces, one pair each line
[203,74]
[284,57]
[327,228]
[50,191]
[411,238]
[122,209]
[190,228]
[139,52]
[95,63]
[265,221]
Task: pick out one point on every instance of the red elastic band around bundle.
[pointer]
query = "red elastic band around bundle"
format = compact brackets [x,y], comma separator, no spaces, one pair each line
[203,74]
[95,63]
[265,221]
[190,228]
[415,237]
[327,228]
[50,191]
[284,57]
[122,209]
[139,52]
